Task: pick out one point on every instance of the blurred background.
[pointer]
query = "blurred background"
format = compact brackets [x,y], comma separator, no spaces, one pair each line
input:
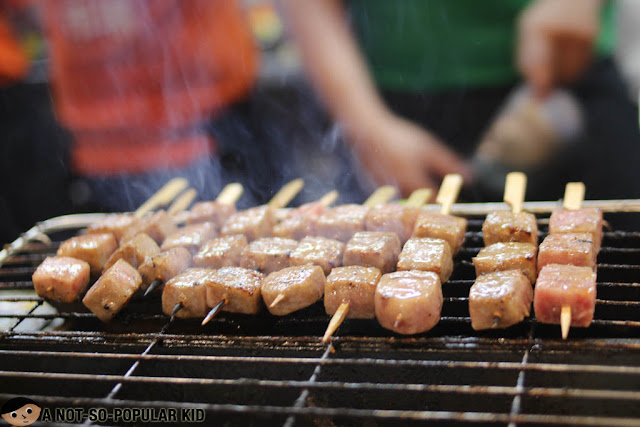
[102,102]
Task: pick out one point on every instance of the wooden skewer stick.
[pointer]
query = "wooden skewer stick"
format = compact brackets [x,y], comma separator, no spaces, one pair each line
[182,202]
[277,301]
[448,193]
[163,196]
[286,194]
[336,321]
[419,197]
[212,313]
[380,196]
[152,286]
[514,189]
[565,321]
[573,198]
[329,198]
[176,308]
[230,194]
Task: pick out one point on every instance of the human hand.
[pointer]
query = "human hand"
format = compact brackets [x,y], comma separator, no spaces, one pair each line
[397,151]
[555,41]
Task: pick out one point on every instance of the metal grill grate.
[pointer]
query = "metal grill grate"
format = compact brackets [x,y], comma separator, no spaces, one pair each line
[265,370]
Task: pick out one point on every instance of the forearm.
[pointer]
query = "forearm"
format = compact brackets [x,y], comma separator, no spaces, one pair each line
[334,64]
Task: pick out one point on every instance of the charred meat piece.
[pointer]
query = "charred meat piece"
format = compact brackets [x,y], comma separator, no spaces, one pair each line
[342,222]
[190,237]
[500,299]
[115,224]
[157,225]
[587,220]
[409,302]
[268,254]
[439,226]
[378,249]
[211,211]
[221,252]
[353,284]
[61,279]
[254,223]
[292,289]
[92,248]
[391,217]
[189,289]
[299,222]
[327,253]
[164,266]
[239,287]
[134,251]
[507,256]
[567,249]
[113,290]
[427,254]
[565,285]
[507,226]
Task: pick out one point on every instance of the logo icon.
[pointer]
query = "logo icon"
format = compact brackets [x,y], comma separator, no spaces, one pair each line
[20,411]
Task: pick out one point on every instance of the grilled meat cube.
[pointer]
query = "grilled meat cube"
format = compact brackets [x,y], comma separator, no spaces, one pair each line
[392,217]
[299,222]
[327,253]
[164,266]
[342,222]
[221,252]
[188,288]
[268,254]
[427,254]
[294,288]
[115,224]
[210,211]
[254,223]
[134,251]
[190,237]
[507,256]
[507,226]
[113,290]
[560,285]
[353,284]
[500,299]
[439,226]
[587,220]
[239,287]
[92,248]
[61,278]
[378,249]
[157,225]
[567,249]
[408,302]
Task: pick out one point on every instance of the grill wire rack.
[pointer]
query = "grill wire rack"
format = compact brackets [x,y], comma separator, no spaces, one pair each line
[267,370]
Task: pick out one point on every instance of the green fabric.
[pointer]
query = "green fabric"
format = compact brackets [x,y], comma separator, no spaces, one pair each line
[413,45]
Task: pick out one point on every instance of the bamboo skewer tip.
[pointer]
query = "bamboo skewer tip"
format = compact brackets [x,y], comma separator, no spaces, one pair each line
[336,321]
[382,195]
[163,196]
[277,300]
[213,312]
[448,192]
[573,196]
[565,321]
[286,194]
[514,190]
[230,194]
[419,197]
[152,286]
[182,202]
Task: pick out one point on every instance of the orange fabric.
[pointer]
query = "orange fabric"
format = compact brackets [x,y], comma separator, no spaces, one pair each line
[143,68]
[14,63]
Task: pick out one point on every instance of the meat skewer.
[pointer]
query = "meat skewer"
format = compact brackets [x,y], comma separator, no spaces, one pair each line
[300,222]
[355,285]
[502,293]
[162,197]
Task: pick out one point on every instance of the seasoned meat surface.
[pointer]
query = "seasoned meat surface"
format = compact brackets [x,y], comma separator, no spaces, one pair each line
[378,249]
[587,220]
[61,278]
[342,222]
[164,266]
[299,286]
[190,237]
[507,226]
[353,284]
[188,288]
[210,211]
[507,256]
[115,224]
[267,254]
[158,225]
[300,222]
[567,249]
[560,285]
[439,226]
[254,223]
[392,217]
[239,287]
[221,252]
[427,254]
[500,299]
[113,290]
[134,251]
[95,249]
[408,302]
[327,253]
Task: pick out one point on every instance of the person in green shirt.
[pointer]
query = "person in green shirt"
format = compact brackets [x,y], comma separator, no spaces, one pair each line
[415,83]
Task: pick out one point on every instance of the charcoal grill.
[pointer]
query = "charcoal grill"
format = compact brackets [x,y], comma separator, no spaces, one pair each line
[264,370]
